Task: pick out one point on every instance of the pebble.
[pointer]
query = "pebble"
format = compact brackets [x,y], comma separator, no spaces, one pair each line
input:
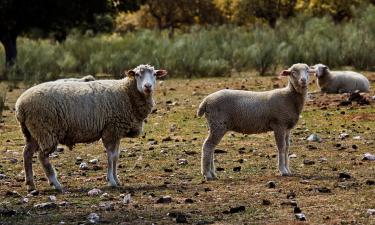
[189,201]
[94,192]
[237,169]
[308,162]
[2,176]
[34,193]
[371,212]
[343,135]
[13,160]
[370,182]
[368,156]
[12,194]
[24,200]
[94,161]
[300,216]
[182,162]
[271,184]
[322,159]
[107,206]
[83,166]
[78,160]
[46,205]
[235,210]
[52,198]
[314,138]
[292,156]
[105,195]
[324,190]
[357,138]
[59,149]
[220,151]
[164,199]
[181,218]
[266,202]
[344,175]
[127,199]
[291,195]
[93,218]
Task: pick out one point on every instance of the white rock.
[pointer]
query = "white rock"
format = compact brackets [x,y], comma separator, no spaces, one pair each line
[182,162]
[94,161]
[343,135]
[357,137]
[300,216]
[105,195]
[292,156]
[314,138]
[371,212]
[94,192]
[368,156]
[2,176]
[25,200]
[52,198]
[83,166]
[127,199]
[93,218]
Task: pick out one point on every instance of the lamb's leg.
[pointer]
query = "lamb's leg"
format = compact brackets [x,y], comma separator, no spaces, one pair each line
[280,136]
[112,148]
[48,168]
[286,153]
[28,151]
[208,148]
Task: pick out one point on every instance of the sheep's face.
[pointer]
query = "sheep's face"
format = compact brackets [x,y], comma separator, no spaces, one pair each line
[299,75]
[320,70]
[146,75]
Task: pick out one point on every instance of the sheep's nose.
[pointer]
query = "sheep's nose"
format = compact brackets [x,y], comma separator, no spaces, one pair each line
[148,86]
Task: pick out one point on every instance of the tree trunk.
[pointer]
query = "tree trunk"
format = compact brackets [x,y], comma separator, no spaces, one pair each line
[9,42]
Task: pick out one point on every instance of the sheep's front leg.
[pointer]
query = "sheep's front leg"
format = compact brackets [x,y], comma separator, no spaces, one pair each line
[280,137]
[48,168]
[208,148]
[112,148]
[286,153]
[28,151]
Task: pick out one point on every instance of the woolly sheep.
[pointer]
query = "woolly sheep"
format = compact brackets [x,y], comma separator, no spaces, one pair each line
[67,113]
[251,112]
[87,78]
[340,81]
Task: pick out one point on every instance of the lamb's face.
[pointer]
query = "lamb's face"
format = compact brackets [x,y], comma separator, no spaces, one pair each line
[320,70]
[146,75]
[299,75]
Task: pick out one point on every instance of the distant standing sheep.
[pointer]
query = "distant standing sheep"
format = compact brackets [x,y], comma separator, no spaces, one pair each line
[67,113]
[251,112]
[340,81]
[87,78]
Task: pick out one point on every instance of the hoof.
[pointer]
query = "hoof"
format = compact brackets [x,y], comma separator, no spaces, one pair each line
[287,174]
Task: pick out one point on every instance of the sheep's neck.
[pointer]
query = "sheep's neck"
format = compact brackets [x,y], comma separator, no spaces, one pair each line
[141,104]
[298,95]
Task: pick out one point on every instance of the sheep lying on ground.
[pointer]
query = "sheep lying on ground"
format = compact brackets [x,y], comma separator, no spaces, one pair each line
[251,112]
[67,113]
[340,81]
[83,79]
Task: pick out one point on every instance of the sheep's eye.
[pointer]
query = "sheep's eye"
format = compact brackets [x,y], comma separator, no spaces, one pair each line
[137,74]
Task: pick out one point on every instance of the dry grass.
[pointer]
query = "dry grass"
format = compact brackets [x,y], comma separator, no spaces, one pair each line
[142,169]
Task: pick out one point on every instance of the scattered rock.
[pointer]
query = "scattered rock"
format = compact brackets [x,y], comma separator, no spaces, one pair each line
[78,160]
[46,205]
[182,162]
[2,176]
[107,206]
[93,218]
[94,161]
[94,192]
[164,199]
[34,192]
[173,128]
[189,201]
[314,138]
[371,212]
[342,136]
[324,190]
[235,210]
[344,175]
[166,139]
[52,198]
[322,160]
[355,147]
[12,194]
[127,199]
[291,195]
[220,169]
[297,209]
[271,184]
[312,147]
[292,156]
[266,202]
[300,216]
[370,182]
[60,149]
[237,169]
[24,200]
[105,195]
[207,189]
[7,212]
[13,160]
[181,218]
[168,170]
[220,151]
[369,157]
[308,162]
[357,138]
[83,166]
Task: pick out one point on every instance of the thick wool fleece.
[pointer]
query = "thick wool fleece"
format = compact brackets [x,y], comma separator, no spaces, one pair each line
[342,82]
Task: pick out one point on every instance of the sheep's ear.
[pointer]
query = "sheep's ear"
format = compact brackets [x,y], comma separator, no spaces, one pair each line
[161,73]
[285,73]
[325,67]
[130,73]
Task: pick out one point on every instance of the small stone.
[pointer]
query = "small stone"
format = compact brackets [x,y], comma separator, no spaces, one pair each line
[305,181]
[371,212]
[105,195]
[46,205]
[107,206]
[2,176]
[94,192]
[324,190]
[164,199]
[308,162]
[189,201]
[266,202]
[24,200]
[322,159]
[296,209]
[220,169]
[300,216]
[12,194]
[291,195]
[173,128]
[60,149]
[271,184]
[355,147]
[181,218]
[292,156]
[207,189]
[344,175]
[168,170]
[7,212]
[13,160]
[127,199]
[314,138]
[34,192]
[220,151]
[93,218]
[370,182]
[182,162]
[166,139]
[94,161]
[235,210]
[237,169]
[343,135]
[83,166]
[357,138]
[52,198]
[78,160]
[369,157]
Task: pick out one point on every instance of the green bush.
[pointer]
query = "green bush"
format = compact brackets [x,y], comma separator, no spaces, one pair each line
[3,92]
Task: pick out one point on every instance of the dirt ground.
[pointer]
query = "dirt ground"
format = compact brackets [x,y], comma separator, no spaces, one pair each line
[149,167]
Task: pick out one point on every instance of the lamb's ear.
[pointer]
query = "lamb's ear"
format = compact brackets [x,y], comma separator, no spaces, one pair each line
[130,73]
[161,73]
[285,73]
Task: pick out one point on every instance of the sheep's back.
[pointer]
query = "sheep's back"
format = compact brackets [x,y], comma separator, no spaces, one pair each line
[350,81]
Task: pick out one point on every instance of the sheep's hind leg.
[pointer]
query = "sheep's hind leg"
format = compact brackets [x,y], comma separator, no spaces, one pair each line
[28,151]
[48,168]
[208,148]
[280,136]
[112,148]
